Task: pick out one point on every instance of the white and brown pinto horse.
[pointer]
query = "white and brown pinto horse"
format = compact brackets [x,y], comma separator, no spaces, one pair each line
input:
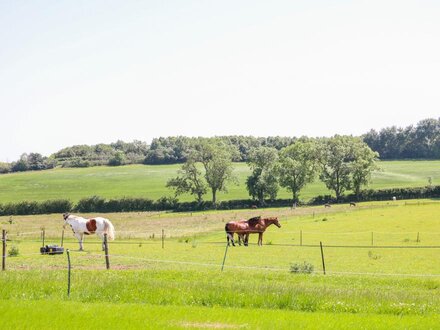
[243,228]
[82,226]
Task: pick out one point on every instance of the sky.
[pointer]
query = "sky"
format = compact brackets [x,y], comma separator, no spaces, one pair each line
[88,72]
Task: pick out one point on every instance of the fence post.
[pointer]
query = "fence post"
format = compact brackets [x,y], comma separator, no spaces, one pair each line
[62,238]
[43,234]
[163,238]
[224,258]
[418,237]
[300,237]
[107,260]
[4,249]
[372,239]
[322,257]
[68,272]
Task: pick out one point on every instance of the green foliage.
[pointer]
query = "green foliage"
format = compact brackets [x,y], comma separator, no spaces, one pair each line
[5,168]
[412,142]
[118,159]
[346,163]
[298,166]
[190,180]
[263,182]
[13,251]
[91,204]
[216,158]
[303,268]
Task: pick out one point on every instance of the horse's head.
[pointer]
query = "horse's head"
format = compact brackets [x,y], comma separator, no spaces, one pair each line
[66,217]
[275,222]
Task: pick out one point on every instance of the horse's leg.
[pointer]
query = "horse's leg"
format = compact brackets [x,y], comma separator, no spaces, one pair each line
[102,238]
[80,240]
[246,239]
[239,239]
[231,236]
[260,239]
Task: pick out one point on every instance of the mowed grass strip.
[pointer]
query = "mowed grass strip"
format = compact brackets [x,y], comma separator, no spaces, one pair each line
[150,182]
[76,315]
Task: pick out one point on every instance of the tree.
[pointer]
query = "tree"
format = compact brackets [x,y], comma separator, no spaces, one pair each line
[346,161]
[297,166]
[118,159]
[189,180]
[263,182]
[363,165]
[21,164]
[216,158]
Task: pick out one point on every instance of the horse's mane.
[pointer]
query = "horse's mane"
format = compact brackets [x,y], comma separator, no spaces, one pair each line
[253,221]
[271,219]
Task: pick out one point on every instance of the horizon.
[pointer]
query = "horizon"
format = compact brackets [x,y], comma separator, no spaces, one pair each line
[95,72]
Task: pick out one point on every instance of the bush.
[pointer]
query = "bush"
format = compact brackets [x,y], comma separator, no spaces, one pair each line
[13,251]
[304,268]
[91,204]
[55,206]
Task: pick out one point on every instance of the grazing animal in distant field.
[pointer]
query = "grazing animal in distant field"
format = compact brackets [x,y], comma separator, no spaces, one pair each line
[81,226]
[327,205]
[352,204]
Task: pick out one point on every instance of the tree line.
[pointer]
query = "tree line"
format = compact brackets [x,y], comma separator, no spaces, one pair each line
[421,141]
[342,163]
[412,142]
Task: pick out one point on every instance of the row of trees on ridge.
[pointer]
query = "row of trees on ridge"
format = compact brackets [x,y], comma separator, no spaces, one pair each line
[341,162]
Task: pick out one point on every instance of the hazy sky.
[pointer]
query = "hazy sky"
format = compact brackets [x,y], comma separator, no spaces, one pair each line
[86,72]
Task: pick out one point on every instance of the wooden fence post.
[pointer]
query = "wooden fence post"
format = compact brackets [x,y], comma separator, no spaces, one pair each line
[107,260]
[62,238]
[163,238]
[224,258]
[4,249]
[322,257]
[418,237]
[372,239]
[300,237]
[43,234]
[68,272]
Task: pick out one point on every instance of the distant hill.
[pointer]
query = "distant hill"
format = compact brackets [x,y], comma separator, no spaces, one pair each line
[149,182]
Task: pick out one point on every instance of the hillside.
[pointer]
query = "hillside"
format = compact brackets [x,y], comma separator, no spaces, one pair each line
[149,181]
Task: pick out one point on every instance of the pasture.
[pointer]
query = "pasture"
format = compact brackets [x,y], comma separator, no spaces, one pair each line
[149,182]
[381,259]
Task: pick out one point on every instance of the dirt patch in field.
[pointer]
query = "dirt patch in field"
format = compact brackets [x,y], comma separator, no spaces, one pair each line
[212,325]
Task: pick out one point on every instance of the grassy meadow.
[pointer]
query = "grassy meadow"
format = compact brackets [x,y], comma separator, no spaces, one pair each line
[380,260]
[149,181]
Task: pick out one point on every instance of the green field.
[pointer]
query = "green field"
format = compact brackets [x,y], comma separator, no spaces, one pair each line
[149,182]
[381,271]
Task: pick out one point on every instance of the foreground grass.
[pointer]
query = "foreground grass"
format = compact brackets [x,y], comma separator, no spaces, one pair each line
[189,286]
[182,285]
[149,181]
[74,315]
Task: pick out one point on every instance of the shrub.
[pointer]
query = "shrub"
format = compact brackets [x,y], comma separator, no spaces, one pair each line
[91,204]
[13,251]
[304,268]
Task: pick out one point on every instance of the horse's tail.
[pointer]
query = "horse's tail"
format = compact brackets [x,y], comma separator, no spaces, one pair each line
[109,229]
[227,229]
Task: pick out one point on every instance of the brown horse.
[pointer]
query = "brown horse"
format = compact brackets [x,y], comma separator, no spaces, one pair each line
[236,227]
[245,227]
[259,225]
